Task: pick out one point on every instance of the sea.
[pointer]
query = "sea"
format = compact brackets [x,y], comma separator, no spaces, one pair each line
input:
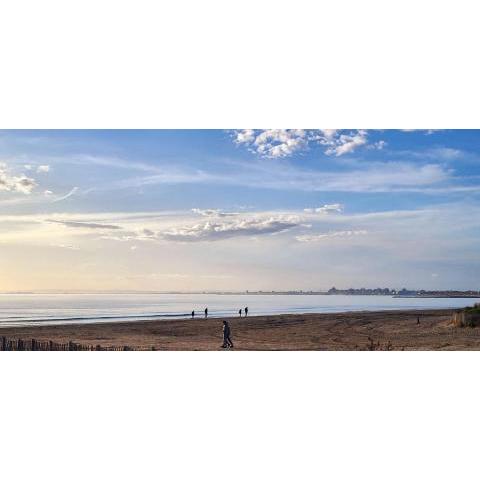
[59,309]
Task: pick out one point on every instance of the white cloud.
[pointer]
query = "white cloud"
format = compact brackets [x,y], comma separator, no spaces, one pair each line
[245,136]
[346,143]
[48,193]
[380,145]
[329,134]
[337,234]
[280,143]
[127,237]
[39,169]
[273,143]
[15,183]
[211,212]
[144,234]
[328,208]
[277,143]
[210,230]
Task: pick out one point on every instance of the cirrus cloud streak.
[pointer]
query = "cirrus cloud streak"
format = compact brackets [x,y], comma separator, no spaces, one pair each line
[336,234]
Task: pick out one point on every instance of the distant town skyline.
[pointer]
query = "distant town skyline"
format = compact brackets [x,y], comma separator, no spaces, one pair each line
[193,210]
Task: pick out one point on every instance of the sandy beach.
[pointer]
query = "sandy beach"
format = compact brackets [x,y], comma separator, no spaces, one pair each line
[395,330]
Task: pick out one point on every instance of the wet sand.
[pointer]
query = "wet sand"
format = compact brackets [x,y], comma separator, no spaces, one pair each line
[330,331]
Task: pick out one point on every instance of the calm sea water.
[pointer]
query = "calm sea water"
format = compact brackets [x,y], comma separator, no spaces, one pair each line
[42,309]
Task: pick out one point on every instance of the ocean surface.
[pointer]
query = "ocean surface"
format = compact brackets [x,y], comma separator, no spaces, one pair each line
[51,309]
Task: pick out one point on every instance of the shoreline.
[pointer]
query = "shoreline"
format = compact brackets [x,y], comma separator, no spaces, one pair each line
[165,318]
[396,329]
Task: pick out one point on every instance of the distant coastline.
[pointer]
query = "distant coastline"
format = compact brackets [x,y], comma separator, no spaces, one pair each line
[403,293]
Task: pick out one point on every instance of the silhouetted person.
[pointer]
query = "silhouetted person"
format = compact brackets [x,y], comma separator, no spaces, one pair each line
[246,311]
[193,313]
[418,319]
[227,341]
[240,312]
[206,312]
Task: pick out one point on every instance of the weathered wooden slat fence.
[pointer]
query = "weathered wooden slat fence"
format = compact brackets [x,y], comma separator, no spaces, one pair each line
[18,344]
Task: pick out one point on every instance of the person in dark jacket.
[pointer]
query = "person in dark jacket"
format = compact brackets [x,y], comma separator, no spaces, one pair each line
[193,313]
[206,312]
[246,311]
[227,341]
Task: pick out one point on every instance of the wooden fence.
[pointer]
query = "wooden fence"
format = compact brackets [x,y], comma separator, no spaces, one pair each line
[18,344]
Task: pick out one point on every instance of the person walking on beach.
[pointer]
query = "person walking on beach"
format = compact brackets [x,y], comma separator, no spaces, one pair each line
[418,319]
[206,312]
[227,341]
[240,312]
[246,311]
[193,313]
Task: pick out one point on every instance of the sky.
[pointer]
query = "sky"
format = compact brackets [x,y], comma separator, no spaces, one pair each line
[195,210]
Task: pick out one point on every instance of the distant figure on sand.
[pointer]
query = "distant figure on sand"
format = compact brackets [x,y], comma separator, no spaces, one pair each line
[418,319]
[227,342]
[193,313]
[206,312]
[246,311]
[240,312]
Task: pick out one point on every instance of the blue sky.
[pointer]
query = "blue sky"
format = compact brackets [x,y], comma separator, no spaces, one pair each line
[239,209]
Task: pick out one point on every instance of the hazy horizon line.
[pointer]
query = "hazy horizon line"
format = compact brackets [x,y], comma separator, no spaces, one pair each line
[212,292]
